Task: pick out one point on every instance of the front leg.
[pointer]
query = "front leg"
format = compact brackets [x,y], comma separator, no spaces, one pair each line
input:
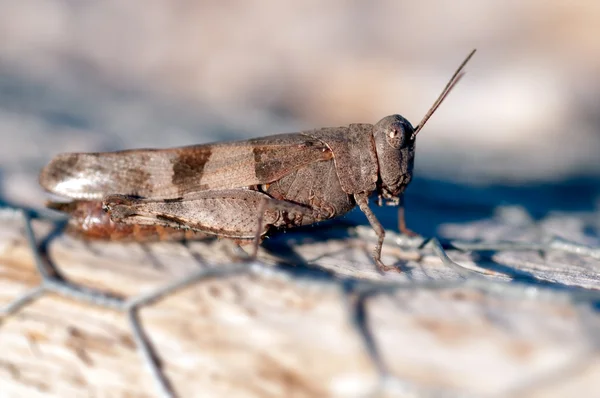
[362,200]
[402,220]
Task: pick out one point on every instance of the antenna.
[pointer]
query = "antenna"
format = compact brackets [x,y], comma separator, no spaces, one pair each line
[453,80]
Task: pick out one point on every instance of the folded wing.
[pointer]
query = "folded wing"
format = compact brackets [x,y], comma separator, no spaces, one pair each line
[171,173]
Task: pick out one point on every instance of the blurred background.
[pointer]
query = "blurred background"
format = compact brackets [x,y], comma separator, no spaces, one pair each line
[522,128]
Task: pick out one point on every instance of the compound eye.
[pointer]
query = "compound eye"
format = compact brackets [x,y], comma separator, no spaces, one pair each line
[394,137]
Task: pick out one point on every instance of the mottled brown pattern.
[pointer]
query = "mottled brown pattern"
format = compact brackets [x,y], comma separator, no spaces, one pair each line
[316,186]
[90,222]
[265,164]
[90,176]
[284,154]
[225,213]
[141,181]
[171,173]
[62,165]
[188,166]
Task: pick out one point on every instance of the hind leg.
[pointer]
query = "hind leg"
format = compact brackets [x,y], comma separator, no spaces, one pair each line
[239,214]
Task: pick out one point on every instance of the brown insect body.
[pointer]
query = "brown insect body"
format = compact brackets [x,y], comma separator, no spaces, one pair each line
[317,180]
[239,189]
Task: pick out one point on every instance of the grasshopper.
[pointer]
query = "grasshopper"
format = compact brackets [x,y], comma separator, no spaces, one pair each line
[242,189]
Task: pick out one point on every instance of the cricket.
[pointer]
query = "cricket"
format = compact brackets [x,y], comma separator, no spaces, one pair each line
[241,190]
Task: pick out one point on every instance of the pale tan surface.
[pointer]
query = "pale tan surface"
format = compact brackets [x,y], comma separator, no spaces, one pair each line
[268,334]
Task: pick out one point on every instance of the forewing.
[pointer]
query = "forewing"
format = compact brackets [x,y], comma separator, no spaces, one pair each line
[171,173]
